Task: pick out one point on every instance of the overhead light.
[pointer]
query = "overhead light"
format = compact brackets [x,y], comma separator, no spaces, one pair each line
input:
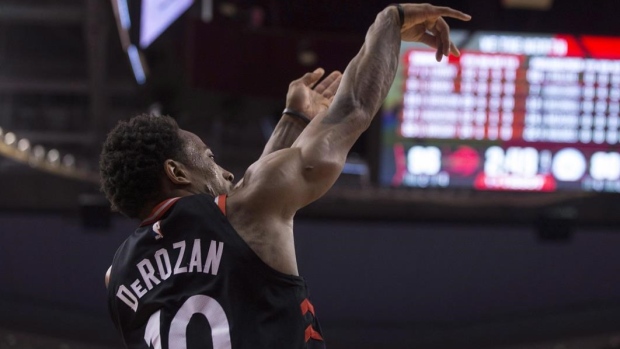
[228,9]
[136,64]
[206,13]
[540,5]
[306,55]
[157,15]
[23,144]
[38,152]
[307,58]
[10,138]
[123,14]
[68,160]
[155,109]
[53,156]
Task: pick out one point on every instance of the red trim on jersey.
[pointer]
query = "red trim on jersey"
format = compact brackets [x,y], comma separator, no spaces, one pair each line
[306,307]
[221,203]
[311,333]
[159,211]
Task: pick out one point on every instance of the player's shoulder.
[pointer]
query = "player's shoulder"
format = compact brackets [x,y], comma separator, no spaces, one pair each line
[269,176]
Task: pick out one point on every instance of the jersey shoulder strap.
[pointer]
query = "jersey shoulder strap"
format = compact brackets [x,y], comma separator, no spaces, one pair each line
[159,211]
[221,202]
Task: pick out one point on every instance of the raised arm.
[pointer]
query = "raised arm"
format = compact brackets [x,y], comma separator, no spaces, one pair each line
[285,181]
[305,99]
[329,137]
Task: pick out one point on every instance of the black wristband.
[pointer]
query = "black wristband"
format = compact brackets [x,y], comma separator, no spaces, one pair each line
[401,14]
[298,115]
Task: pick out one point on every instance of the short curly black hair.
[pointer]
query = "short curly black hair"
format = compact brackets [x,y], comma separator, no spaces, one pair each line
[131,162]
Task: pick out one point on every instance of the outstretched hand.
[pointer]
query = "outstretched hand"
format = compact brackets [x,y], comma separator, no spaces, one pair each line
[307,96]
[424,23]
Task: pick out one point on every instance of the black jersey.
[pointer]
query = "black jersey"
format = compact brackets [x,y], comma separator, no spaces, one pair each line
[186,279]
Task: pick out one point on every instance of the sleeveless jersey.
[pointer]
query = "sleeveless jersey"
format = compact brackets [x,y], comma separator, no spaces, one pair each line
[186,279]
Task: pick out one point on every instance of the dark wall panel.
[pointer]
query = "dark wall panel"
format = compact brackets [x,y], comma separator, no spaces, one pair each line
[372,282]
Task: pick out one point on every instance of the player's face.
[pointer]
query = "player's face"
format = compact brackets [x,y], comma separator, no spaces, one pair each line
[206,176]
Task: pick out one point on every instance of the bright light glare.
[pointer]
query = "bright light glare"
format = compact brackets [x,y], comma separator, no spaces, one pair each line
[157,15]
[53,156]
[123,14]
[68,160]
[136,64]
[10,138]
[38,152]
[23,144]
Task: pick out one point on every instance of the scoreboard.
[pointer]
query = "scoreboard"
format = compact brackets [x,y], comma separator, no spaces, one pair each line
[513,112]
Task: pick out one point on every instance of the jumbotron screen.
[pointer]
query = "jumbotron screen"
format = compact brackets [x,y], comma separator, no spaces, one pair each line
[517,112]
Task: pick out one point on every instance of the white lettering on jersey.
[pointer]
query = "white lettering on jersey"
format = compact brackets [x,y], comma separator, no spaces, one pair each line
[213,258]
[127,297]
[177,266]
[148,273]
[150,277]
[195,262]
[138,289]
[163,263]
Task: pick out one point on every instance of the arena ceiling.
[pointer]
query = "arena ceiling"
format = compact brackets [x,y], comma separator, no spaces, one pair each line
[64,81]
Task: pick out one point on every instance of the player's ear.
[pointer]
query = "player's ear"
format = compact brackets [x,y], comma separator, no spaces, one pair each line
[176,172]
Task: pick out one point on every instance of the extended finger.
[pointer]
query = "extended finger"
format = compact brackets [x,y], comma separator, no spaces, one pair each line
[429,40]
[435,42]
[440,49]
[443,31]
[325,83]
[455,51]
[442,11]
[310,79]
[330,91]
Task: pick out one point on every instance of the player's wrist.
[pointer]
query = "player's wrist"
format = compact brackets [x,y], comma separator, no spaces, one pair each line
[397,11]
[297,115]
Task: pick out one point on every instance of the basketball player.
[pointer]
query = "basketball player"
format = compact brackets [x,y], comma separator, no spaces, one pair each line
[213,264]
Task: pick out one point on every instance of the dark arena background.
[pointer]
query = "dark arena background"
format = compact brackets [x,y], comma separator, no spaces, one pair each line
[480,210]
